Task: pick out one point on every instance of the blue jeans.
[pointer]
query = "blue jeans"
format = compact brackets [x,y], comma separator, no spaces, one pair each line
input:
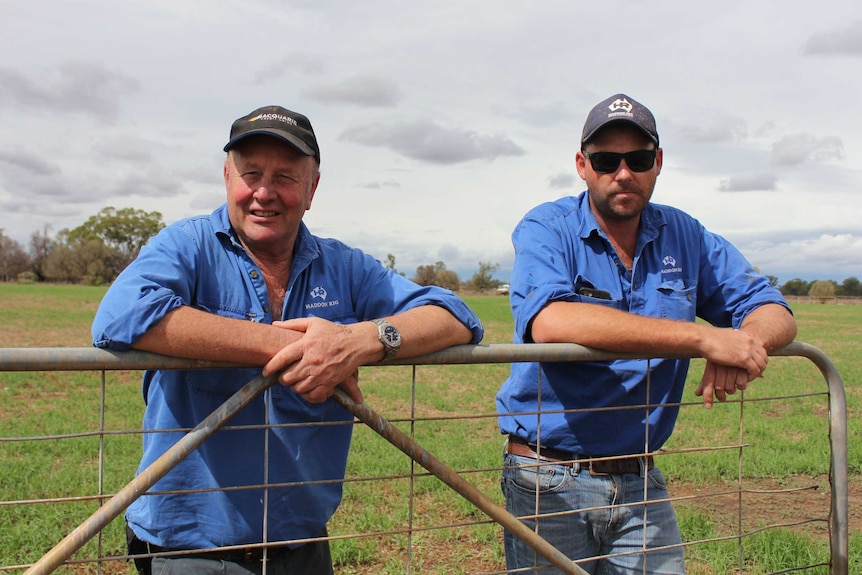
[620,531]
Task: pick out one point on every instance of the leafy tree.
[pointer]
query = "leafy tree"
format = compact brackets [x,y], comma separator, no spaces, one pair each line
[795,286]
[822,290]
[125,230]
[88,261]
[425,275]
[448,279]
[41,246]
[390,264]
[850,287]
[13,259]
[437,275]
[482,279]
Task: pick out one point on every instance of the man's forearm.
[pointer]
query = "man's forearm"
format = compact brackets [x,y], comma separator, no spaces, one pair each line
[772,324]
[429,328]
[191,333]
[614,330]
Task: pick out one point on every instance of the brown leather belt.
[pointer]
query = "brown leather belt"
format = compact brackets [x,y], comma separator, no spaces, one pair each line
[234,556]
[616,466]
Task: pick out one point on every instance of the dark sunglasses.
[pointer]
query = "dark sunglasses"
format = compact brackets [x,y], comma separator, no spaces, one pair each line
[609,162]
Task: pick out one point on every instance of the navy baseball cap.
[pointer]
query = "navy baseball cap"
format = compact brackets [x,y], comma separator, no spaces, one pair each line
[288,126]
[620,108]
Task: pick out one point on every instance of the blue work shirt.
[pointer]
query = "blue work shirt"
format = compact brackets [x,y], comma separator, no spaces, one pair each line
[199,262]
[680,271]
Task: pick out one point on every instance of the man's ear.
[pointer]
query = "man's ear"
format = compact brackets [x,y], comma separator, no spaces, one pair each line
[313,189]
[581,164]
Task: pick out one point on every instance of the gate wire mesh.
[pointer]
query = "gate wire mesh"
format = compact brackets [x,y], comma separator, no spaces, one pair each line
[395,516]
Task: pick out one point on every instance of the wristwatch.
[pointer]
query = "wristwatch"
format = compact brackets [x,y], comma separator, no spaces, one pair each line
[389,336]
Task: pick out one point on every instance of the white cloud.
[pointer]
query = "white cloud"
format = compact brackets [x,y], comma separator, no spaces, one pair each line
[795,149]
[427,141]
[362,91]
[844,40]
[73,86]
[762,181]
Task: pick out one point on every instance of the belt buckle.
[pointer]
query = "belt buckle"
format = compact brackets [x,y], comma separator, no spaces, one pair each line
[594,472]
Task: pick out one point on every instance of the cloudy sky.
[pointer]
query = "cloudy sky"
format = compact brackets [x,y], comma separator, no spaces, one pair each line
[442,123]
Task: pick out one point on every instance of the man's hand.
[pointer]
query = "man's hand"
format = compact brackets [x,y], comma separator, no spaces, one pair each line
[733,359]
[327,355]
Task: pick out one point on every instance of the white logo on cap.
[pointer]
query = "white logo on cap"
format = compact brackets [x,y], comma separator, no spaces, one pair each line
[621,104]
[276,117]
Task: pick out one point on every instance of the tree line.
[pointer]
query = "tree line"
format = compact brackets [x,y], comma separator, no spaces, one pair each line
[95,253]
[821,289]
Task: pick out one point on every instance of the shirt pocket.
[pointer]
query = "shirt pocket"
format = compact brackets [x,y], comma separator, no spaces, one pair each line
[588,292]
[678,299]
[233,310]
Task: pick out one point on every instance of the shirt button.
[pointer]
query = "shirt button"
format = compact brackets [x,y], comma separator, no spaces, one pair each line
[266,309]
[254,275]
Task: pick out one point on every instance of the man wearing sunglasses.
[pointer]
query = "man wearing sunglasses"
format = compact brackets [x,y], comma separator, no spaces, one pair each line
[610,270]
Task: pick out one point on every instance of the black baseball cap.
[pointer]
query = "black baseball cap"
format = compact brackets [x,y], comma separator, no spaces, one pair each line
[620,108]
[288,126]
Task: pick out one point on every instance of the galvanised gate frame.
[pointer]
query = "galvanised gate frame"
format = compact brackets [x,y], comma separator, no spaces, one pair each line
[89,359]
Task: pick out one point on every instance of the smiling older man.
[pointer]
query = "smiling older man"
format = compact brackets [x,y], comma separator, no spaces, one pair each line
[249,283]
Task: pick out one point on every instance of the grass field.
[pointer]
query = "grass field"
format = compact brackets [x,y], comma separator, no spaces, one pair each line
[784,429]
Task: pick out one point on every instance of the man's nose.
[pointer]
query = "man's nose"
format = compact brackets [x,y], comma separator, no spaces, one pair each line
[623,171]
[265,189]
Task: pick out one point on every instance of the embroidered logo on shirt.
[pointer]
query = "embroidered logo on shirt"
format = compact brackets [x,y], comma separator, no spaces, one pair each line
[318,292]
[670,265]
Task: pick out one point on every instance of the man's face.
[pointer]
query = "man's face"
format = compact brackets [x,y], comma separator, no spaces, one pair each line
[623,194]
[269,186]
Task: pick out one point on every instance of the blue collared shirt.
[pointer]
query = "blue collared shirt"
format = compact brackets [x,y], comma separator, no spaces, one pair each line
[680,271]
[199,262]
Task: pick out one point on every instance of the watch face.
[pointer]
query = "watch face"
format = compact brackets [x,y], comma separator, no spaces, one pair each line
[391,334]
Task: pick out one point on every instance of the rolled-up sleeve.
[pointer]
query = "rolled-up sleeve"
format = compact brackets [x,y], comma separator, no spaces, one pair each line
[155,283]
[383,292]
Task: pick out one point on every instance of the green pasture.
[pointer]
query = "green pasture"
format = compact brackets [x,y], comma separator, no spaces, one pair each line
[783,465]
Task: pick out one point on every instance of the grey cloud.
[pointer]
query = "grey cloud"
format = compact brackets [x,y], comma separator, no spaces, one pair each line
[363,91]
[76,86]
[380,185]
[796,149]
[29,162]
[719,129]
[290,66]
[762,181]
[552,114]
[46,192]
[52,209]
[201,174]
[125,149]
[562,180]
[149,186]
[845,41]
[429,142]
